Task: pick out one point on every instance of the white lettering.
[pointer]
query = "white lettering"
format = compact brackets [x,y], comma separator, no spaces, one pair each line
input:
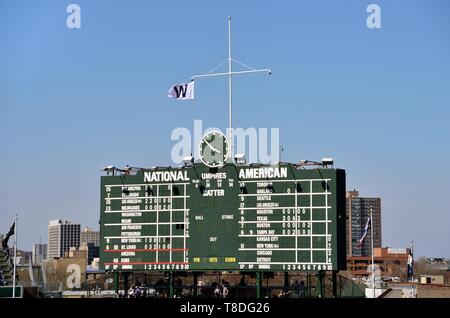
[263,173]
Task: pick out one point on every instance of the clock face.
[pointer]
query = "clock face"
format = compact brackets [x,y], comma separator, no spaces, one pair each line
[214,149]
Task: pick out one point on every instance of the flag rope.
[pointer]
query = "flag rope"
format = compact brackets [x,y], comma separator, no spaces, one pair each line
[244,65]
[217,66]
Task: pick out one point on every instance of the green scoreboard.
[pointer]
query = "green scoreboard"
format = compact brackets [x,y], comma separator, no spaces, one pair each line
[236,217]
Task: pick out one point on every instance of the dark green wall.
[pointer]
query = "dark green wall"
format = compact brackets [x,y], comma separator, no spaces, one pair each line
[220,214]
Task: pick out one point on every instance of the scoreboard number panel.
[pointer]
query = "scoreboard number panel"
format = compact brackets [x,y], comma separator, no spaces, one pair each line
[233,217]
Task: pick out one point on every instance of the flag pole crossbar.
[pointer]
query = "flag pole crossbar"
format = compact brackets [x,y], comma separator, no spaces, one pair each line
[232,73]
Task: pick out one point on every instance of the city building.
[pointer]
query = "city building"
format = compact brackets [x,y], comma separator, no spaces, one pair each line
[92,251]
[90,236]
[432,279]
[390,261]
[22,258]
[62,235]
[73,265]
[39,253]
[358,212]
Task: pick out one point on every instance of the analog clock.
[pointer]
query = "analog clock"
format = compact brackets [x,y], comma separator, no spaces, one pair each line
[214,149]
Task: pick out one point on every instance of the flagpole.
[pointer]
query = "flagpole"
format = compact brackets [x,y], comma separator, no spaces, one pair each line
[371,242]
[230,74]
[15,257]
[412,268]
[229,88]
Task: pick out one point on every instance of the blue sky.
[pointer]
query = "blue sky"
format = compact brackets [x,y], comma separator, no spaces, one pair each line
[377,100]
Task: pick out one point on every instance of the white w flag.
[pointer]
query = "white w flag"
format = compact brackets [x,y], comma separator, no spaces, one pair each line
[182,91]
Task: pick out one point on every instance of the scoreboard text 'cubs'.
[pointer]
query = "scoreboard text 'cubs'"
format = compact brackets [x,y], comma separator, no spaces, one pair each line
[249,217]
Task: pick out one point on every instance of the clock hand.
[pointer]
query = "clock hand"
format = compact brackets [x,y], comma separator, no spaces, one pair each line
[212,148]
